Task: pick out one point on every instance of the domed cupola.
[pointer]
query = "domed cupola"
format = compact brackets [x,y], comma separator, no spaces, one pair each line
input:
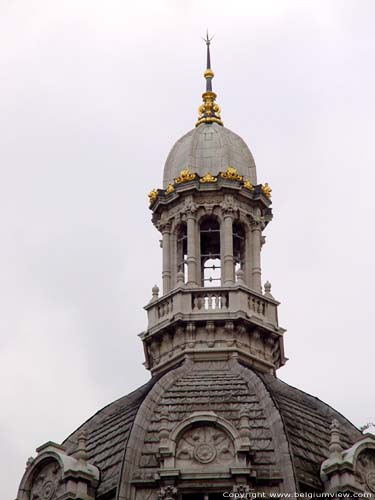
[209,147]
[212,148]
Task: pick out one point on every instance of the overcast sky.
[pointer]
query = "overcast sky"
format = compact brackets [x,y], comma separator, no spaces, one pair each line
[93,96]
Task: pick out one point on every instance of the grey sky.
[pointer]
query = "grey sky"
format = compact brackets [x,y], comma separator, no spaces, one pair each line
[93,96]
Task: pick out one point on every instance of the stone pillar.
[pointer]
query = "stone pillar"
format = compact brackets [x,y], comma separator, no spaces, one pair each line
[256,240]
[248,258]
[191,248]
[227,246]
[166,274]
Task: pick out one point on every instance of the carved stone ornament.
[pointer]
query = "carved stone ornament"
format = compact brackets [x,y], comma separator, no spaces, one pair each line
[365,468]
[167,493]
[204,445]
[241,490]
[47,484]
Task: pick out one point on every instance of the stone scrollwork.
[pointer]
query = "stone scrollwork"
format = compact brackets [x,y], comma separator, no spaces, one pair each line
[204,445]
[365,468]
[47,483]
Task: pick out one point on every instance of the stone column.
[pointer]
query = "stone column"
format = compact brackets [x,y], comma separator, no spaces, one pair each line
[248,254]
[256,238]
[227,245]
[191,248]
[166,274]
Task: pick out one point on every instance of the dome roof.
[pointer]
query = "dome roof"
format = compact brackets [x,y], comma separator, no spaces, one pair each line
[209,148]
[290,429]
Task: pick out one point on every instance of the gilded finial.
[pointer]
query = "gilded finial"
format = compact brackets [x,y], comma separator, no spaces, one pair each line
[247,184]
[152,195]
[267,190]
[209,111]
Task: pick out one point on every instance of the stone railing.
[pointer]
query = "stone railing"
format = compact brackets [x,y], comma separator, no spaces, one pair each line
[209,301]
[215,302]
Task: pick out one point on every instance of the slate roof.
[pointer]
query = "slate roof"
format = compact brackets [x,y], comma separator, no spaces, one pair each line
[307,422]
[221,391]
[107,435]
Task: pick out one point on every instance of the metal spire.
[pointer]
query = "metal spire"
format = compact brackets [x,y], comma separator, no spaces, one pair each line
[209,111]
[208,65]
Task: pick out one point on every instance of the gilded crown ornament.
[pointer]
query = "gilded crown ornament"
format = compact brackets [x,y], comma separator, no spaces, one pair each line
[231,173]
[208,178]
[170,189]
[152,195]
[266,190]
[185,176]
[209,111]
[247,184]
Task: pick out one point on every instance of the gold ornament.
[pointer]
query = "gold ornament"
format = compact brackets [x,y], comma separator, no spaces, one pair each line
[152,195]
[231,173]
[208,73]
[169,189]
[208,178]
[209,111]
[266,190]
[185,176]
[247,184]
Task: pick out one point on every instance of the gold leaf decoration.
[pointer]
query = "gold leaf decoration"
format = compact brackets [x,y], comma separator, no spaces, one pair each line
[152,195]
[169,189]
[247,184]
[266,190]
[231,173]
[208,178]
[185,176]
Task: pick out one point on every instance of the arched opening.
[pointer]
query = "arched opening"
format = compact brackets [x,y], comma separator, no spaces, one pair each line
[210,252]
[239,247]
[182,250]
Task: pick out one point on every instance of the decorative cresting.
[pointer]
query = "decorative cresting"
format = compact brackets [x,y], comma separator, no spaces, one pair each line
[247,185]
[209,111]
[267,190]
[208,178]
[231,174]
[352,469]
[185,176]
[152,195]
[54,475]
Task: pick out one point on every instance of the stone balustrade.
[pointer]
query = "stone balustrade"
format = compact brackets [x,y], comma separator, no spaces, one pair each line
[211,303]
